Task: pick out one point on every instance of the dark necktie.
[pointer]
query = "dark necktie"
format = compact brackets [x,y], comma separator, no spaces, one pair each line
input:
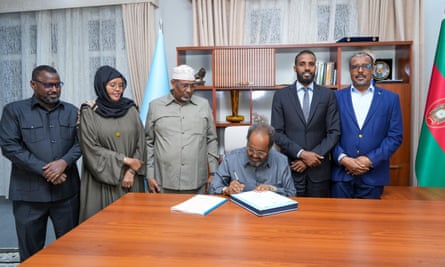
[306,104]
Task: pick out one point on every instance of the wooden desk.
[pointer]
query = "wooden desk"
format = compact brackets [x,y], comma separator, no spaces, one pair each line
[140,230]
[414,193]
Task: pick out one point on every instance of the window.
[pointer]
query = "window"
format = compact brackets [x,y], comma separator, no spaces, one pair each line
[297,21]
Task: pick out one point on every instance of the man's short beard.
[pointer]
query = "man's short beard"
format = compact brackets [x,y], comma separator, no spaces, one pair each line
[49,100]
[303,80]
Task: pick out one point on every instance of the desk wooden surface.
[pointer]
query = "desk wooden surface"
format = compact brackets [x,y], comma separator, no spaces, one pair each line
[414,193]
[140,230]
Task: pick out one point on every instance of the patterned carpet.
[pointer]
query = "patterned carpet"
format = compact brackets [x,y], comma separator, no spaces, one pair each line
[9,257]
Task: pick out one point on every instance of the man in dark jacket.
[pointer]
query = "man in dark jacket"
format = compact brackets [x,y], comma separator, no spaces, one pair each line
[306,119]
[39,136]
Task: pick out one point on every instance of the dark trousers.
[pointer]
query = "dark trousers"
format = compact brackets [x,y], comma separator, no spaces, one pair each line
[307,188]
[31,219]
[356,189]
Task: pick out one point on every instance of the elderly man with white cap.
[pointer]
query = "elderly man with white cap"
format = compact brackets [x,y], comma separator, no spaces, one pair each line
[181,139]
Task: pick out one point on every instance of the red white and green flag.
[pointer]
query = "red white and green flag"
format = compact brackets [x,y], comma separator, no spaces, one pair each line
[430,159]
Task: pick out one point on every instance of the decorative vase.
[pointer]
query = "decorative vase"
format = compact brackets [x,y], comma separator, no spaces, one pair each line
[234,97]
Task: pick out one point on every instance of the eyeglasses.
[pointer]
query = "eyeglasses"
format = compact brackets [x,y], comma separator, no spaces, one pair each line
[50,85]
[364,66]
[184,86]
[260,153]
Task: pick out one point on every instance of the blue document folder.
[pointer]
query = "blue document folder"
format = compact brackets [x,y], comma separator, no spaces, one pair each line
[264,203]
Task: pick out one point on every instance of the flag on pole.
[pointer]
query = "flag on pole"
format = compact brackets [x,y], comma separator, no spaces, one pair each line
[430,157]
[158,82]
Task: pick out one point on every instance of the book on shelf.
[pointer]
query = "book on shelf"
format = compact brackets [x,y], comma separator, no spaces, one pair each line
[264,203]
[199,204]
[326,73]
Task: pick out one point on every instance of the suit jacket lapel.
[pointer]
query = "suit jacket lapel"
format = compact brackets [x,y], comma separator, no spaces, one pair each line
[295,101]
[314,103]
[349,107]
[375,105]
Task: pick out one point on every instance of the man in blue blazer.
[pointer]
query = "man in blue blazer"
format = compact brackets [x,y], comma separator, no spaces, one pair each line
[371,125]
[307,135]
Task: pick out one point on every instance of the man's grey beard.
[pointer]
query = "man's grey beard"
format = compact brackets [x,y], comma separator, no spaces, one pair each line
[255,164]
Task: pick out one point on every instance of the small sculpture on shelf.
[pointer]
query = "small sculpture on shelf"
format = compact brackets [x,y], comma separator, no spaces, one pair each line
[199,76]
[258,118]
[234,97]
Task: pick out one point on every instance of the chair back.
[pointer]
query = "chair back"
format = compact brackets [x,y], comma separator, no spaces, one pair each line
[235,137]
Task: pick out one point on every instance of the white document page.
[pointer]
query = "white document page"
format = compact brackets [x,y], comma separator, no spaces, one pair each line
[199,204]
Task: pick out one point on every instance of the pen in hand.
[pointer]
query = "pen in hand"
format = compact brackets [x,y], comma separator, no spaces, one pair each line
[236,187]
[236,177]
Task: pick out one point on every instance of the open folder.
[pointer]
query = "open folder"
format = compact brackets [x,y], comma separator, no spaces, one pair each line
[199,204]
[264,203]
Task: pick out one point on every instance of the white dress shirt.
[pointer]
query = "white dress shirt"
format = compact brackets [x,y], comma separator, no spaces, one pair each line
[361,102]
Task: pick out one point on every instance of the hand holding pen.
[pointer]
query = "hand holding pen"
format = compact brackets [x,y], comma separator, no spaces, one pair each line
[235,186]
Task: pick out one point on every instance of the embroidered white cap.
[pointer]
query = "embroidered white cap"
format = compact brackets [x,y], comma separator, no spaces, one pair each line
[183,72]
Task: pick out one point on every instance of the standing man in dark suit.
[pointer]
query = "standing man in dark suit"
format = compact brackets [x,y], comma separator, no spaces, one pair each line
[371,124]
[39,136]
[307,124]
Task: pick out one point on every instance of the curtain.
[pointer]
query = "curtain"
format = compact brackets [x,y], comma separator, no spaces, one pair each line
[399,20]
[75,41]
[298,21]
[140,35]
[237,22]
[218,22]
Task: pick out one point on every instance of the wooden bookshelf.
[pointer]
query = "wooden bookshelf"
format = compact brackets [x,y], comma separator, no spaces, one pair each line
[257,71]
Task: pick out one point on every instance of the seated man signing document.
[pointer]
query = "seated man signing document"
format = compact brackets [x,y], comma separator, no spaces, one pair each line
[254,167]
